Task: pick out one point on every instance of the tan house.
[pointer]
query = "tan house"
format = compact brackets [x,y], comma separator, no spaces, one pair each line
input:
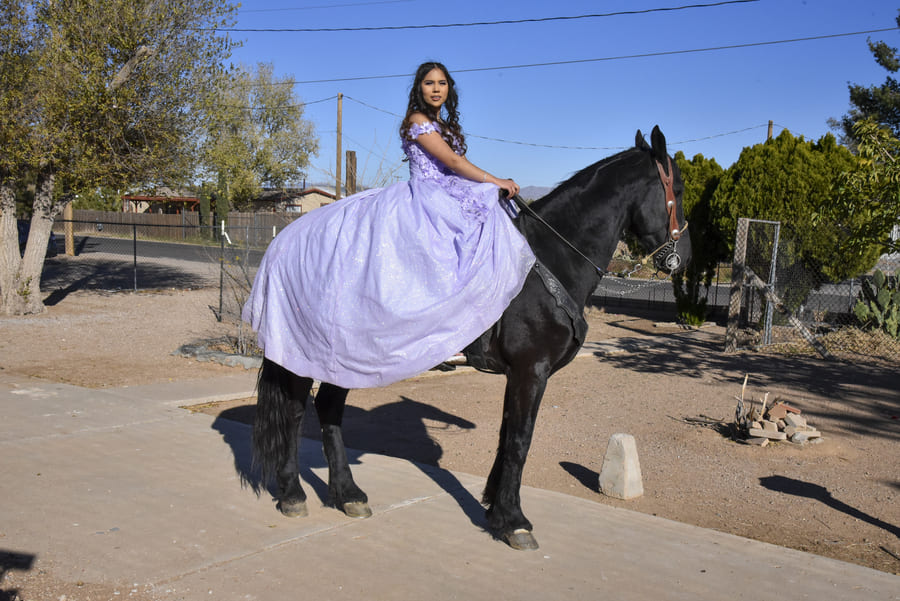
[292,200]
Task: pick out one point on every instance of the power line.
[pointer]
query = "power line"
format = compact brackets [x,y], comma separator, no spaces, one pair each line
[323,6]
[562,147]
[393,114]
[613,58]
[473,24]
[282,106]
[372,107]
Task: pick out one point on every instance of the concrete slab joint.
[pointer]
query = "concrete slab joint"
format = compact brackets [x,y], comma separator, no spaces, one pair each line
[620,476]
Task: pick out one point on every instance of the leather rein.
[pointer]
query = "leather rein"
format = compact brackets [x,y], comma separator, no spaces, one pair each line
[673,233]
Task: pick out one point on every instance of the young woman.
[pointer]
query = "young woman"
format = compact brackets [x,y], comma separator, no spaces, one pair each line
[389,282]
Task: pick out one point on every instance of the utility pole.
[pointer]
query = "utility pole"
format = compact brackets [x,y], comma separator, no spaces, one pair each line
[769,137]
[337,176]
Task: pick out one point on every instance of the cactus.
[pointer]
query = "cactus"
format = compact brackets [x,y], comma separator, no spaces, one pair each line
[878,307]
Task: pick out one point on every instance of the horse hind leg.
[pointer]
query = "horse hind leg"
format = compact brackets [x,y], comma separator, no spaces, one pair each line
[344,493]
[281,399]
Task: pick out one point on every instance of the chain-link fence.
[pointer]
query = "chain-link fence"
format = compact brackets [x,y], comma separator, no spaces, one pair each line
[779,302]
[115,251]
[653,295]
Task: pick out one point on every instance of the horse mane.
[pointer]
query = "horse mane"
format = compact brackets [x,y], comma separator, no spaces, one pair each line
[580,179]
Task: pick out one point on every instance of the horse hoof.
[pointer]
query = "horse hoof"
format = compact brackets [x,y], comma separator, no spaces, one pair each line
[357,509]
[293,509]
[521,540]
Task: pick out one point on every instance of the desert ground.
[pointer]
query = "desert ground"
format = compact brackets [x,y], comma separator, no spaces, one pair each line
[673,389]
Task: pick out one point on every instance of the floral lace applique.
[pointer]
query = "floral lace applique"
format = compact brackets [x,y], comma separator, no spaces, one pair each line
[417,129]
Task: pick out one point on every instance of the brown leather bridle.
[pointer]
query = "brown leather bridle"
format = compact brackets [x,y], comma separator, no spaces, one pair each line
[671,208]
[666,257]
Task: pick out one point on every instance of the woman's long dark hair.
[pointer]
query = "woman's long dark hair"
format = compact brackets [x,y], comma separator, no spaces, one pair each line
[450,129]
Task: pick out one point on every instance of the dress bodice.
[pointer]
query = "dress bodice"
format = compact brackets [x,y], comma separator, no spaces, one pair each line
[423,166]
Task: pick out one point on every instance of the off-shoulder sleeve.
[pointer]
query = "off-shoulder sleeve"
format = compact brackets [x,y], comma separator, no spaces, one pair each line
[417,129]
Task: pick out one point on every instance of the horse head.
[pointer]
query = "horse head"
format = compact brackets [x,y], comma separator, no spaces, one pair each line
[658,218]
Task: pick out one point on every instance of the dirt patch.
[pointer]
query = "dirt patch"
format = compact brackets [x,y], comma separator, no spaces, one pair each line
[838,498]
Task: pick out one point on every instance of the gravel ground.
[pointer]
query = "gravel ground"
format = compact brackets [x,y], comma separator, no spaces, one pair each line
[838,498]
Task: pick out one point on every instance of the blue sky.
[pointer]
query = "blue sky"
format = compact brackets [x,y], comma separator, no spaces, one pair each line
[540,124]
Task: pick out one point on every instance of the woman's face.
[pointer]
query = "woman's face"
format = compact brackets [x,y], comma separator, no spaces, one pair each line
[435,88]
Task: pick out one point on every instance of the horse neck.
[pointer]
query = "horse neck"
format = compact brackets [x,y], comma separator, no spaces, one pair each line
[591,211]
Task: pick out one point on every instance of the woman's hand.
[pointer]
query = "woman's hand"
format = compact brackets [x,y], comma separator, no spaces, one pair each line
[511,187]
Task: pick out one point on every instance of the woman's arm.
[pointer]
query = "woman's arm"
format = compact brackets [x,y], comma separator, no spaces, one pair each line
[435,145]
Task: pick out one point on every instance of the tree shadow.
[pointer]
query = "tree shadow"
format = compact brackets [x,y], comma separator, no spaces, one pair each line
[868,396]
[816,492]
[65,275]
[13,560]
[399,429]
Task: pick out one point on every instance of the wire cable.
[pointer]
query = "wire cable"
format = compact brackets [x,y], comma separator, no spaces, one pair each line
[322,6]
[563,147]
[613,58]
[476,23]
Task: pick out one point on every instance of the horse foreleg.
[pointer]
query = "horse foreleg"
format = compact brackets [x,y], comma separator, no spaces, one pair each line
[344,493]
[520,408]
[276,433]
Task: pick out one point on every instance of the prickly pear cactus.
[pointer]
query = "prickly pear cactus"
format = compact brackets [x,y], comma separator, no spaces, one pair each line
[878,307]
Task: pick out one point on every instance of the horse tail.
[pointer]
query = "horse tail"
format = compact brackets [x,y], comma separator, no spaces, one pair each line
[275,428]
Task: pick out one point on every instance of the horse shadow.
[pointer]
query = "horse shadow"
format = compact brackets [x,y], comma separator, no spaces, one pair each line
[399,429]
[792,486]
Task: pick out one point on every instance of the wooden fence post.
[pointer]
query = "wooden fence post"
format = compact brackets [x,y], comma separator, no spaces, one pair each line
[350,185]
[69,216]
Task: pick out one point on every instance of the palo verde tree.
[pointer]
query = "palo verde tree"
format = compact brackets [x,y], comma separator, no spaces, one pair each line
[866,209]
[104,93]
[701,177]
[259,137]
[795,181]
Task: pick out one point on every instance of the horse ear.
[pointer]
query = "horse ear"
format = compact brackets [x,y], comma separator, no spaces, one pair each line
[658,140]
[640,142]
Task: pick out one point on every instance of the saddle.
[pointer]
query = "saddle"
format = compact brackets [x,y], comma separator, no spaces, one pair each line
[479,353]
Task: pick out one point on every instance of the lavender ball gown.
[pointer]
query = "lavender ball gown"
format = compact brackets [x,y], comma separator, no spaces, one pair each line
[389,282]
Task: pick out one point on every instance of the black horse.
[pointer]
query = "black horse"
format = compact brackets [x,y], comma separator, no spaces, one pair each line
[573,230]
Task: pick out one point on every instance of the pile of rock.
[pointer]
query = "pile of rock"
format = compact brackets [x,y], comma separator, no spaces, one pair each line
[780,421]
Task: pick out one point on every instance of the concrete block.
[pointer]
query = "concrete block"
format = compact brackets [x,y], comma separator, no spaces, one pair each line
[620,476]
[767,434]
[805,436]
[792,419]
[759,442]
